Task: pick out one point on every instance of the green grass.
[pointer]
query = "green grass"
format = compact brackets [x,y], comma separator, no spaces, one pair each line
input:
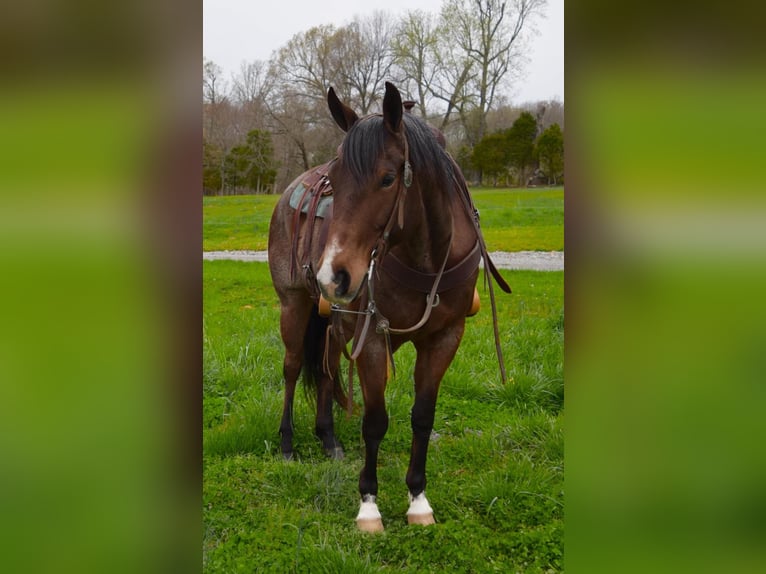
[236,222]
[512,220]
[495,471]
[521,219]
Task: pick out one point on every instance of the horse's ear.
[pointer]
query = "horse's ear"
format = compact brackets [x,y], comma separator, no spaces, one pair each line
[392,108]
[344,116]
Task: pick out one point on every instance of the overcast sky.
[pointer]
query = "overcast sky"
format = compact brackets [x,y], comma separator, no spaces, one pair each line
[245,30]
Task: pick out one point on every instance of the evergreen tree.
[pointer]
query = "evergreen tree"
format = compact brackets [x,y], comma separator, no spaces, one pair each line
[521,144]
[491,157]
[550,149]
[212,160]
[251,166]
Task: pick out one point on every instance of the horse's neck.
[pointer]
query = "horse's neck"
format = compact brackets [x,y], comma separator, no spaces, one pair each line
[430,232]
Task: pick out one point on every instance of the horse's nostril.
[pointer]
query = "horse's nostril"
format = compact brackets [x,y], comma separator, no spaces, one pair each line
[342,279]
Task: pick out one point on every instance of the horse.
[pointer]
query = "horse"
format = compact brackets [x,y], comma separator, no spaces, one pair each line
[396,259]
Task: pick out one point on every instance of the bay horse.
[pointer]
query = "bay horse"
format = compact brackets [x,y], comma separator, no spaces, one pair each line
[397,258]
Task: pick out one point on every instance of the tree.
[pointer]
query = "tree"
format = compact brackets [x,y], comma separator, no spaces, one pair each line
[550,150]
[455,72]
[521,144]
[363,56]
[219,124]
[251,166]
[213,84]
[250,85]
[490,34]
[355,59]
[262,170]
[301,72]
[305,65]
[491,156]
[212,168]
[415,54]
[304,133]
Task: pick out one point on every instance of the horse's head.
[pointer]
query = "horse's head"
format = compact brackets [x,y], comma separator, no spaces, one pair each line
[369,180]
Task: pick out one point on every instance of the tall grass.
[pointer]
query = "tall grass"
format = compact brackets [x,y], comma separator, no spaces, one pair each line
[495,465]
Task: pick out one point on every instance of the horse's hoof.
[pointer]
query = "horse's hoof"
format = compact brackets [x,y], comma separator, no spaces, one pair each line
[335,453]
[423,519]
[420,512]
[369,524]
[369,518]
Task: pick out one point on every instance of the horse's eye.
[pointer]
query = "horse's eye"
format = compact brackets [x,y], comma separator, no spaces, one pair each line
[388,180]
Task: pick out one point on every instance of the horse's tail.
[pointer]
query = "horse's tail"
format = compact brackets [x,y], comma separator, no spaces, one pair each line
[315,341]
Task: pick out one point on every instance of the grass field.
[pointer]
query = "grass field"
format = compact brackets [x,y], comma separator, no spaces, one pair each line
[495,464]
[495,467]
[512,219]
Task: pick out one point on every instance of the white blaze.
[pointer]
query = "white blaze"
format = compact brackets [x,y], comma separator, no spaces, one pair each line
[325,274]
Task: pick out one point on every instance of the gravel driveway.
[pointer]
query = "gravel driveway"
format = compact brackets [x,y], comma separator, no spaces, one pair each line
[529,260]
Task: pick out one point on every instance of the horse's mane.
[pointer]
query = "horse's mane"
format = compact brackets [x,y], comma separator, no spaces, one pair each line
[364,145]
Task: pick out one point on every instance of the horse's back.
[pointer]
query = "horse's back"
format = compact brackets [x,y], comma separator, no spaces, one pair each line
[295,238]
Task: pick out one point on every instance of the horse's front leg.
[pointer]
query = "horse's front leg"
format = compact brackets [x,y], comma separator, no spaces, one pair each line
[434,356]
[372,376]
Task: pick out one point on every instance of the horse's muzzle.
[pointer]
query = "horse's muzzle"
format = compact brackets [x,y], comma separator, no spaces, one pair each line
[337,289]
[340,275]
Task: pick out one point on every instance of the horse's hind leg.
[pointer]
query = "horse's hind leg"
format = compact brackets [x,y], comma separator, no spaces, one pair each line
[293,321]
[325,428]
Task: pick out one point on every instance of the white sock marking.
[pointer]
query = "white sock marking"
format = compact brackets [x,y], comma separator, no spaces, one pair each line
[368,509]
[419,505]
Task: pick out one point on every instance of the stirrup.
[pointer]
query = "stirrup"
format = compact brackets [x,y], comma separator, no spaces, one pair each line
[475,304]
[324,307]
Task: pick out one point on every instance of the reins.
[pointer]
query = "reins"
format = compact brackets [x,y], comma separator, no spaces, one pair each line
[489,266]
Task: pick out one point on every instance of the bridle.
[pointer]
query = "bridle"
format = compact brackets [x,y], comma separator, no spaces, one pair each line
[369,308]
[379,251]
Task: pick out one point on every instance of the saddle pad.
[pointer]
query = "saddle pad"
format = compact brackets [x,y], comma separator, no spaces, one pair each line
[295,198]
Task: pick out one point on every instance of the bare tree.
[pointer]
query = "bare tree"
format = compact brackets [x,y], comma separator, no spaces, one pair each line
[216,121]
[249,91]
[251,82]
[455,71]
[490,34]
[301,72]
[364,58]
[554,114]
[356,59]
[213,84]
[415,47]
[306,65]
[217,109]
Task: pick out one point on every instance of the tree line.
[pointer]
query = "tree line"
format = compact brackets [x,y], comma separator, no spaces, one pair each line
[268,122]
